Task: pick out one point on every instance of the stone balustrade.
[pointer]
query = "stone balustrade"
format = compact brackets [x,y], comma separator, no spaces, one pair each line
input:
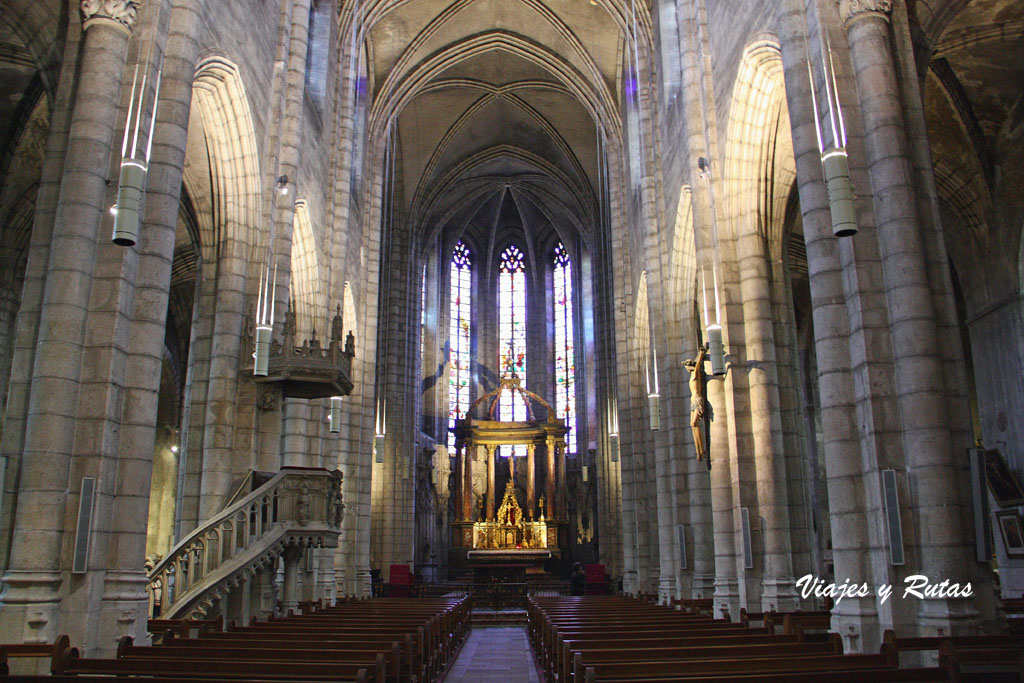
[299,508]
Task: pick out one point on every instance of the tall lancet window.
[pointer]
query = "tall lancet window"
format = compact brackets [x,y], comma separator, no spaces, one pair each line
[512,336]
[565,356]
[459,338]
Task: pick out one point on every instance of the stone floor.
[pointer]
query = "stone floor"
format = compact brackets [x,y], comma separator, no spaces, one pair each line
[495,654]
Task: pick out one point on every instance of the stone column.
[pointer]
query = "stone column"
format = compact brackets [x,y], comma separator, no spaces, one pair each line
[263,593]
[925,434]
[236,603]
[531,481]
[460,481]
[563,509]
[31,602]
[856,619]
[551,512]
[290,598]
[778,592]
[490,483]
[10,295]
[126,580]
[467,486]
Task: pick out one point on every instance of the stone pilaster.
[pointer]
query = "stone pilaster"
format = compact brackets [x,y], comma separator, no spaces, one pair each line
[778,593]
[36,568]
[930,472]
[125,589]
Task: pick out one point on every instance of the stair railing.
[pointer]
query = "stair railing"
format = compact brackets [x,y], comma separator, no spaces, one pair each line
[302,499]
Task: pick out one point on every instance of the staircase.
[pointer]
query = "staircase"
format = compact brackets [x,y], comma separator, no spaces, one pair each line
[298,508]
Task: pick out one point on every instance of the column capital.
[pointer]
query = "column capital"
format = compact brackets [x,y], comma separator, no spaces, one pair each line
[118,13]
[850,10]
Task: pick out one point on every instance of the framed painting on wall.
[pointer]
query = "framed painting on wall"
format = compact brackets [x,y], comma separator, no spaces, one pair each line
[1001,482]
[1012,533]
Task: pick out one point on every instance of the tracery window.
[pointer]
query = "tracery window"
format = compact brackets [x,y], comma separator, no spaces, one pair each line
[565,356]
[423,311]
[512,337]
[459,338]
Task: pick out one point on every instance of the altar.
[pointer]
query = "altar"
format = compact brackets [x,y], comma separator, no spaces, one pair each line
[523,533]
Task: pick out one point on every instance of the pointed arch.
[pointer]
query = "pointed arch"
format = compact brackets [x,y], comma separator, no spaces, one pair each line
[759,164]
[234,162]
[307,297]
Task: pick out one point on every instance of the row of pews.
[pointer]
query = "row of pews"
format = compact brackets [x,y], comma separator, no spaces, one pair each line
[367,641]
[614,638]
[1013,608]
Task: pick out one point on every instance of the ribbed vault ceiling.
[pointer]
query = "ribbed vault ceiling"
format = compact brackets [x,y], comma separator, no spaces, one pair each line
[496,103]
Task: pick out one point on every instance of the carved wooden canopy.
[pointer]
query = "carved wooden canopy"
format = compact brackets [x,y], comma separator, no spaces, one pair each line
[491,432]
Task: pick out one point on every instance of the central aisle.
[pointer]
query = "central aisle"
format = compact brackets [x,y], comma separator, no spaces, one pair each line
[495,654]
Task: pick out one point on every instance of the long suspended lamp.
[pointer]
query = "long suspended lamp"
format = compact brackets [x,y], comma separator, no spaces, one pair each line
[264,322]
[335,414]
[613,430]
[834,162]
[653,397]
[716,345]
[380,432]
[131,182]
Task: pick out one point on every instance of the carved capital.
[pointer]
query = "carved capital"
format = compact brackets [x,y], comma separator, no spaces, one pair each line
[850,10]
[119,13]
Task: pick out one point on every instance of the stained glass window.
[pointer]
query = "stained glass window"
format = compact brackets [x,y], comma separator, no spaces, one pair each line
[459,338]
[512,337]
[565,356]
[423,310]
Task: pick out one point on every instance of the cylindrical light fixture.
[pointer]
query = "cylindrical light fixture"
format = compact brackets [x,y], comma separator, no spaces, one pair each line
[262,354]
[585,473]
[835,165]
[613,445]
[836,168]
[335,415]
[378,448]
[130,186]
[654,403]
[716,349]
[131,182]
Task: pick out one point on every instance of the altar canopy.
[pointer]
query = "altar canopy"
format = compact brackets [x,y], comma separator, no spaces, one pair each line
[515,525]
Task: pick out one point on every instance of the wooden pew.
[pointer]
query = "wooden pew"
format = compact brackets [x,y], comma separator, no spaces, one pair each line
[10,651]
[774,619]
[798,624]
[1013,608]
[547,617]
[579,625]
[645,670]
[67,663]
[697,606]
[272,653]
[685,657]
[634,635]
[402,661]
[894,645]
[605,641]
[982,663]
[965,657]
[882,675]
[410,640]
[437,625]
[183,627]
